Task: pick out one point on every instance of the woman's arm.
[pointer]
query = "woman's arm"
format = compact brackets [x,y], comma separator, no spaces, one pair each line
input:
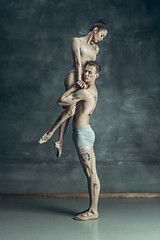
[76,45]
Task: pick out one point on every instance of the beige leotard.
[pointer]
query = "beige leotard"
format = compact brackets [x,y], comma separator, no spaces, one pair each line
[87,53]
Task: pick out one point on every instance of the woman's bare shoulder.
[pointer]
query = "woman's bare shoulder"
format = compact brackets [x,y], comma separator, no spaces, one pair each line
[76,39]
[76,42]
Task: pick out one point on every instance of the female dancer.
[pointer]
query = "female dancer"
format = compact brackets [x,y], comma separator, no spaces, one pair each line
[83,49]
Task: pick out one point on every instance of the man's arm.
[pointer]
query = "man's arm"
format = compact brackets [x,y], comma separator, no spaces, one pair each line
[71,96]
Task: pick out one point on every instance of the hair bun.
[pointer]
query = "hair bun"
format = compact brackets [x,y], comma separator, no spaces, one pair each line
[101,21]
[100,24]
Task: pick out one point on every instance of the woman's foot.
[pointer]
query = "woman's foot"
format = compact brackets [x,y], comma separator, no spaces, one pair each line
[87,215]
[45,137]
[59,146]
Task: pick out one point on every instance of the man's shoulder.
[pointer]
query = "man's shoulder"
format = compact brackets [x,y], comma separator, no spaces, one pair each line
[82,91]
[86,93]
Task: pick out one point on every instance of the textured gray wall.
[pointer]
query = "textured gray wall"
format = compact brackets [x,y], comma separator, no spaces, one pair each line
[35,56]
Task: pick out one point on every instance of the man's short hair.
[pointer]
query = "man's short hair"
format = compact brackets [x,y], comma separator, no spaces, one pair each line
[95,64]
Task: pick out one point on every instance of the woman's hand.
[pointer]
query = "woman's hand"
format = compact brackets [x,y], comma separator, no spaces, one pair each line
[81,84]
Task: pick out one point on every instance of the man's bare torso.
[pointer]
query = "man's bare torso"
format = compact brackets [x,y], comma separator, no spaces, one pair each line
[85,108]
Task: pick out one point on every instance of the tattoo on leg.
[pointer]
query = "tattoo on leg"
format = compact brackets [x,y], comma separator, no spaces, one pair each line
[95,185]
[85,154]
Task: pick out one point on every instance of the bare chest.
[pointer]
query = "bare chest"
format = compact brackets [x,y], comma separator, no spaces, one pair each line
[87,107]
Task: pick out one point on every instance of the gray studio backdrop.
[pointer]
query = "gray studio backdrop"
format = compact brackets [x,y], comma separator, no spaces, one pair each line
[35,56]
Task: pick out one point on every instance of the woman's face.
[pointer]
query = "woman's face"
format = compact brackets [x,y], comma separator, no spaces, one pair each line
[99,35]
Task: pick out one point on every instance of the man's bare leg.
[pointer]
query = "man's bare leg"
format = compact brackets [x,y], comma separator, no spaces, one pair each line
[61,119]
[88,161]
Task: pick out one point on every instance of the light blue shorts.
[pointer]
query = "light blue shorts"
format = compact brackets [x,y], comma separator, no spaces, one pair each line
[83,136]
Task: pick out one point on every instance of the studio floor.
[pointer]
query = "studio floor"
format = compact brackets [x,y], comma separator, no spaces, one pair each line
[52,219]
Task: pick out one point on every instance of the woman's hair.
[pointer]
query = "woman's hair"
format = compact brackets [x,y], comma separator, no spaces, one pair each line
[100,24]
[95,64]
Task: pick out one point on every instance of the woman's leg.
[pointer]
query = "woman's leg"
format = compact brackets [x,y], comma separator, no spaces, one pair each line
[63,119]
[69,81]
[59,143]
[88,161]
[60,120]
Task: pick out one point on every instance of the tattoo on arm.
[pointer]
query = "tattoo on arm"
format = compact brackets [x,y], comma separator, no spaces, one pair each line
[74,97]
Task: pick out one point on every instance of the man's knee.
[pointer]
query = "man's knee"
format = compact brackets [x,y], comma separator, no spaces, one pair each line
[90,173]
[87,171]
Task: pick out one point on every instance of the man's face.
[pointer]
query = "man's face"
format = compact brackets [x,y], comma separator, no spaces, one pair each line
[90,74]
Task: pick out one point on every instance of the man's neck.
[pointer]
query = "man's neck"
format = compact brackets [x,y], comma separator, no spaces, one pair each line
[92,84]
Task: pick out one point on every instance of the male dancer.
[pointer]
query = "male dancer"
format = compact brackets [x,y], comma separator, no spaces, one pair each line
[84,96]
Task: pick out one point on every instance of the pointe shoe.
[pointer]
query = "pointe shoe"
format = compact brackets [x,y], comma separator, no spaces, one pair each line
[42,139]
[59,149]
[88,215]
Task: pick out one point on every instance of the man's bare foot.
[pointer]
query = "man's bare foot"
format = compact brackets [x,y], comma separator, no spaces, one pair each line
[45,137]
[87,215]
[59,147]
